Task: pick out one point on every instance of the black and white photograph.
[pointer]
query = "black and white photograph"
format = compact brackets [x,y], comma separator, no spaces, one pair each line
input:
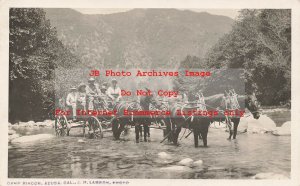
[106,96]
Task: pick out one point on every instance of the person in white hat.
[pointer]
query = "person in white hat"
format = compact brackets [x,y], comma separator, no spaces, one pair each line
[71,101]
[114,92]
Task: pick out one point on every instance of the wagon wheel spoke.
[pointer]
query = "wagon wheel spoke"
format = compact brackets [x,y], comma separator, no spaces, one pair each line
[61,127]
[96,127]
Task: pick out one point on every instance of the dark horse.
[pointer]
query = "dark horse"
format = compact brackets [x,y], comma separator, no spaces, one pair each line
[148,103]
[121,119]
[200,124]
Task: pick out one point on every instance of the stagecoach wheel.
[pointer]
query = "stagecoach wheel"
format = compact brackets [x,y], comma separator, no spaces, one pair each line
[95,124]
[61,126]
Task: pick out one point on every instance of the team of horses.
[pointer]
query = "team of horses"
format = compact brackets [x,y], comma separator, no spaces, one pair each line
[198,125]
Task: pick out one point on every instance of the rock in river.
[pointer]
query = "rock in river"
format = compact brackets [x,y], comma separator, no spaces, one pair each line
[198,163]
[164,155]
[125,166]
[81,141]
[186,162]
[270,175]
[284,130]
[32,138]
[262,125]
[176,168]
[13,136]
[11,132]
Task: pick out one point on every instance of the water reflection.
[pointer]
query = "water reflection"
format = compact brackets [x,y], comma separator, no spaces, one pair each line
[106,158]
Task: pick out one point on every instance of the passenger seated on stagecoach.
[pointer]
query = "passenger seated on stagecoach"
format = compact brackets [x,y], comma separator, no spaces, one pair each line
[71,101]
[103,88]
[114,92]
[92,92]
[81,98]
[183,97]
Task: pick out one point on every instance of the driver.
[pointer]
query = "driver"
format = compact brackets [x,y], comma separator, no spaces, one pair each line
[92,92]
[114,92]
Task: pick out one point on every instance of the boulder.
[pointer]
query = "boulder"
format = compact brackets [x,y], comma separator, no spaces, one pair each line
[81,141]
[284,130]
[125,166]
[11,132]
[270,175]
[198,163]
[176,169]
[13,136]
[243,125]
[48,123]
[26,124]
[262,125]
[33,138]
[164,155]
[186,162]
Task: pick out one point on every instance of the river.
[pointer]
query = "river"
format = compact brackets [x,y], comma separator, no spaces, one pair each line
[67,157]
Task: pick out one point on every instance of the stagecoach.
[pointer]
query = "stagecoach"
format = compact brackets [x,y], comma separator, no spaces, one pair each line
[172,124]
[92,124]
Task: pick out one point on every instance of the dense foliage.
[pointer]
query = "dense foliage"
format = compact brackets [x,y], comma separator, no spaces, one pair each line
[259,43]
[34,53]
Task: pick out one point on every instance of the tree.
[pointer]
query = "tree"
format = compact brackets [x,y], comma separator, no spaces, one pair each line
[34,53]
[260,43]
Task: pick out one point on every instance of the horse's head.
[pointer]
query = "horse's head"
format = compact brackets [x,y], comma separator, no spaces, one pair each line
[149,99]
[252,104]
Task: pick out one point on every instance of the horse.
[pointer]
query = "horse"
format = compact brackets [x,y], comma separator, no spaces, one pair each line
[200,124]
[149,103]
[233,102]
[119,121]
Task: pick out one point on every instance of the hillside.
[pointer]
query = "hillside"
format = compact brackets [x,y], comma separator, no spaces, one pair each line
[138,38]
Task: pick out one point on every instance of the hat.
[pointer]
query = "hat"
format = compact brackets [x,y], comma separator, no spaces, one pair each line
[91,80]
[81,85]
[114,80]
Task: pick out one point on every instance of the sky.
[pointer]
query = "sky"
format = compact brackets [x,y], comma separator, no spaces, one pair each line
[232,13]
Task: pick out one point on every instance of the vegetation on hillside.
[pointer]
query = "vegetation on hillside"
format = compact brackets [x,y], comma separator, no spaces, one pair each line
[260,44]
[34,53]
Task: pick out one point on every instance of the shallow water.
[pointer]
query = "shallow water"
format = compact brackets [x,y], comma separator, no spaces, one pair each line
[65,157]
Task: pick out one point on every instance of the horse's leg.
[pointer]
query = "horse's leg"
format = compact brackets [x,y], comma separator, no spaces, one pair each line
[204,132]
[137,135]
[235,127]
[177,131]
[200,136]
[115,126]
[146,128]
[141,130]
[230,127]
[168,129]
[196,135]
[121,128]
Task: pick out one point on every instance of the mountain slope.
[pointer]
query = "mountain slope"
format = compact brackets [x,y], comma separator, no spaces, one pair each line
[138,38]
